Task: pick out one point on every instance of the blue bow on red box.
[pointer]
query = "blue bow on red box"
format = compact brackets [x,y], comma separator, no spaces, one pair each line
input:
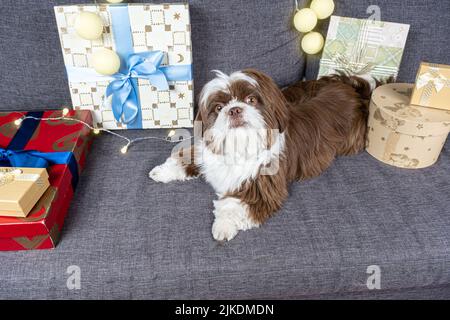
[15,155]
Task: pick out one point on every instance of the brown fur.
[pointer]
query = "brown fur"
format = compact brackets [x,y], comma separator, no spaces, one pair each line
[321,119]
[186,157]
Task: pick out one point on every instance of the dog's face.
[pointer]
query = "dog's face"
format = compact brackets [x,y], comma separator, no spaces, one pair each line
[241,104]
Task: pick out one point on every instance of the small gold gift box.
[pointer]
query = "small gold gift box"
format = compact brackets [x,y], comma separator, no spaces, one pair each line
[20,190]
[432,88]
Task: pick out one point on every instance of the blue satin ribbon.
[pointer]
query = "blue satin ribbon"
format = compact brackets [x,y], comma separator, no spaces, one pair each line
[146,65]
[15,156]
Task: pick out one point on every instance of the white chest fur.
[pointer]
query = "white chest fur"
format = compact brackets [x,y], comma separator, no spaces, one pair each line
[226,173]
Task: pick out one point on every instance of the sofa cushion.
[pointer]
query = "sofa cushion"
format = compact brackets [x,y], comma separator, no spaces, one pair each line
[135,238]
[427,40]
[228,37]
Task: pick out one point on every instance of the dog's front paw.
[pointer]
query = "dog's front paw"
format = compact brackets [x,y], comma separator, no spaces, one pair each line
[168,171]
[224,229]
[159,174]
[231,215]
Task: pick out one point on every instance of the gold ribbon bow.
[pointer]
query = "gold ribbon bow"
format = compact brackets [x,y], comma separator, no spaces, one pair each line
[9,175]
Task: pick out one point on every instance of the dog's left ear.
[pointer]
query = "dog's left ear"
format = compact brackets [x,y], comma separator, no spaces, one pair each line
[277,116]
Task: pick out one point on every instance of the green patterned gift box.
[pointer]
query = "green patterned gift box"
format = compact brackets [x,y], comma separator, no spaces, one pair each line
[361,46]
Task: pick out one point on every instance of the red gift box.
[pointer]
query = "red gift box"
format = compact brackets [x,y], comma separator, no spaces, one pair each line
[41,228]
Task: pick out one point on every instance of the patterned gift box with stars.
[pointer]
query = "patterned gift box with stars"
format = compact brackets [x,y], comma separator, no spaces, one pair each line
[401,134]
[154,27]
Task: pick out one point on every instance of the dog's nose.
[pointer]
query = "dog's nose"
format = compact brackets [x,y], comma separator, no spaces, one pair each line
[234,111]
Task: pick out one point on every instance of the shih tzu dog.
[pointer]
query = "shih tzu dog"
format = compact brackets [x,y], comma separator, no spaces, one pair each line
[256,139]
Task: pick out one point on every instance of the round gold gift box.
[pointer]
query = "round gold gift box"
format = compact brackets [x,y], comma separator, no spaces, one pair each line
[401,134]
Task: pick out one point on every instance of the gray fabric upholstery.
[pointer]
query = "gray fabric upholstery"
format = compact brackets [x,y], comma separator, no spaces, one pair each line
[427,40]
[225,36]
[134,238]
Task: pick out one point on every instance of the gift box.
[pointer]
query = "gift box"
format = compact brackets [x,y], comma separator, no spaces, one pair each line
[20,189]
[62,145]
[154,87]
[360,47]
[401,134]
[432,88]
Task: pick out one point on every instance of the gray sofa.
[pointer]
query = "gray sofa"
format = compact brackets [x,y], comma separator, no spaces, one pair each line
[133,238]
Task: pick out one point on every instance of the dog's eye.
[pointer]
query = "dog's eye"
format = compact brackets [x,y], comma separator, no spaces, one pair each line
[251,100]
[218,107]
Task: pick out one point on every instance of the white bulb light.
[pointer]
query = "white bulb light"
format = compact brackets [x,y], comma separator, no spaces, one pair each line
[124,149]
[106,62]
[312,42]
[305,20]
[18,122]
[65,111]
[322,8]
[88,25]
[96,131]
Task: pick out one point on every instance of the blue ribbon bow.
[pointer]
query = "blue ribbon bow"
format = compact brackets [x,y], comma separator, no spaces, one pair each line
[33,159]
[144,65]
[15,156]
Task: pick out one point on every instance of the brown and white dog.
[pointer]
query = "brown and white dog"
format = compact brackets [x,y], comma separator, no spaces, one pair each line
[257,139]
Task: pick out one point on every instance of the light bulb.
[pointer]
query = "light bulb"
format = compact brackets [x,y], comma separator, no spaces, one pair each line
[88,25]
[18,122]
[124,149]
[171,133]
[322,8]
[65,111]
[105,61]
[305,20]
[312,42]
[96,131]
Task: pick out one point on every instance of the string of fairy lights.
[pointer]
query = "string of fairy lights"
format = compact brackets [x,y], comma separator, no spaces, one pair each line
[172,133]
[306,19]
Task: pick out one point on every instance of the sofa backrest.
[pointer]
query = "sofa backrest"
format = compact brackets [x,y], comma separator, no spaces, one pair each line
[226,35]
